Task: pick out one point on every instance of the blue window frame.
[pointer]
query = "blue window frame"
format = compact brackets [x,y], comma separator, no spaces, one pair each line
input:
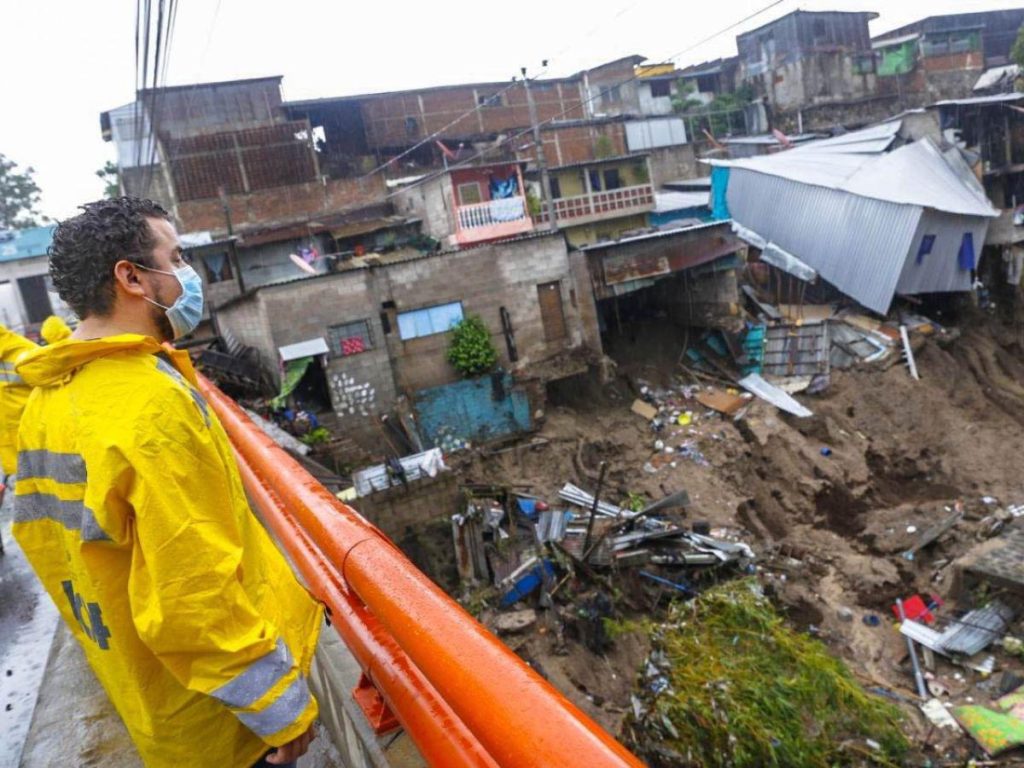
[428,321]
[965,258]
[927,243]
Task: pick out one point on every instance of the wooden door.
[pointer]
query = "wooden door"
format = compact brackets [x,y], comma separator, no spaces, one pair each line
[549,296]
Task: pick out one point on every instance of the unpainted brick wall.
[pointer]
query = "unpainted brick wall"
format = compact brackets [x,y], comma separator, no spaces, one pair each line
[280,204]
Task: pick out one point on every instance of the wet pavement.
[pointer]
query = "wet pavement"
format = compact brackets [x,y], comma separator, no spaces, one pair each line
[27,623]
[53,712]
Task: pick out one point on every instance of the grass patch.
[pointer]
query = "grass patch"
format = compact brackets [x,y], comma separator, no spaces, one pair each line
[745,690]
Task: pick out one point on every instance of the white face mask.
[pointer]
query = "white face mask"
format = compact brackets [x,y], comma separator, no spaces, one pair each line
[186,312]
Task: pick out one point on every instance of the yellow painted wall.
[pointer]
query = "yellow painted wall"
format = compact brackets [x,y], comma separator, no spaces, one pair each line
[631,172]
[610,228]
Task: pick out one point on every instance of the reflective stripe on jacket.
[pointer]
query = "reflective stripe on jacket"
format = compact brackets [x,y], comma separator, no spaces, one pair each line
[13,395]
[130,509]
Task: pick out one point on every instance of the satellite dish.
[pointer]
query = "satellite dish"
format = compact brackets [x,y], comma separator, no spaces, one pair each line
[301,264]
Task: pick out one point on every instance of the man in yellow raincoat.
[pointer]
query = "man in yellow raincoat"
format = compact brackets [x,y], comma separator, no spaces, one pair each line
[13,396]
[54,329]
[130,509]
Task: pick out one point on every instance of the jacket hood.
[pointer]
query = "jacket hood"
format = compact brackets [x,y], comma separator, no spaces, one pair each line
[54,364]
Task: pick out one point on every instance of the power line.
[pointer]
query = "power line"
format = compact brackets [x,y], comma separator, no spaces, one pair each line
[601,92]
[479,107]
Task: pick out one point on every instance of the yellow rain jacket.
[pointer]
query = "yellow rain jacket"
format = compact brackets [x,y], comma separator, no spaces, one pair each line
[13,395]
[130,509]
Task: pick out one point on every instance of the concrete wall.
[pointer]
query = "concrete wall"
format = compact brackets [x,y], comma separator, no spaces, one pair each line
[654,105]
[12,306]
[672,163]
[424,500]
[430,201]
[484,279]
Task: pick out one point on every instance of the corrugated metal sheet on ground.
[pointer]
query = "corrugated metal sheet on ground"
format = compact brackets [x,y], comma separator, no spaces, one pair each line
[376,478]
[796,350]
[978,629]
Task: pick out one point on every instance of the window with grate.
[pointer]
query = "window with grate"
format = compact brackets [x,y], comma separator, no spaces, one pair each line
[469,193]
[349,338]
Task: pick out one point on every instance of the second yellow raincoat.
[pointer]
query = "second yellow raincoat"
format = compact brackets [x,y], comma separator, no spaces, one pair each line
[130,509]
[13,395]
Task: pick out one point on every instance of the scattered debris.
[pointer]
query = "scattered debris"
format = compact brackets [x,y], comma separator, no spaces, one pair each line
[756,385]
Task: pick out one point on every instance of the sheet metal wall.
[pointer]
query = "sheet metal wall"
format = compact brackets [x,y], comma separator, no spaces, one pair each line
[858,244]
[939,270]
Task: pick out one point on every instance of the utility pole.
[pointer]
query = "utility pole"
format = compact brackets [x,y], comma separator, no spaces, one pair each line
[545,181]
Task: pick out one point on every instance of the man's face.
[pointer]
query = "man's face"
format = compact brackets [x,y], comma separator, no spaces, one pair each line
[164,289]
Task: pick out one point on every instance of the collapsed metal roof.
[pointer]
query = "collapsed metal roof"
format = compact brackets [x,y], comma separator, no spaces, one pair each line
[872,222]
[857,163]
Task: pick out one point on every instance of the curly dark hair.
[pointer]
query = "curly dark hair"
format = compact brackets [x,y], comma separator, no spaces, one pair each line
[86,247]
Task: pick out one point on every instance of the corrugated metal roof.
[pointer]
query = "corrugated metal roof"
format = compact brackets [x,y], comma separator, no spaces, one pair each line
[17,244]
[308,348]
[990,78]
[664,202]
[653,235]
[602,161]
[995,99]
[914,174]
[877,44]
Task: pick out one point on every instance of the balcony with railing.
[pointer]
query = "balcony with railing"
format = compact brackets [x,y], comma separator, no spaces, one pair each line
[492,220]
[599,206]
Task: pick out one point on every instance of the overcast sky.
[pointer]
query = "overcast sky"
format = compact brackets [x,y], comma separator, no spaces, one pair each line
[62,62]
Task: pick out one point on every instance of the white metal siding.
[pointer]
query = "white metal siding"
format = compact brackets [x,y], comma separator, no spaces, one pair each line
[657,132]
[856,243]
[939,271]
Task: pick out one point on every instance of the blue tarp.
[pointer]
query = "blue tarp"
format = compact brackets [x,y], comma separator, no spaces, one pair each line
[719,187]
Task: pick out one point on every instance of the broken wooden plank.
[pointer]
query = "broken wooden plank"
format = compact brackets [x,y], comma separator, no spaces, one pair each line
[720,401]
[644,409]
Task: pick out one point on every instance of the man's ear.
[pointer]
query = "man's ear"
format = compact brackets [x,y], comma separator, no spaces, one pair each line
[127,279]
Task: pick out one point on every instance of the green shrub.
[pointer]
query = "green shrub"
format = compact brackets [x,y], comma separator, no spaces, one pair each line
[472,352]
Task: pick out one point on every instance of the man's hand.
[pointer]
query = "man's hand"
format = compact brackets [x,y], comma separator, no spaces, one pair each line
[293,750]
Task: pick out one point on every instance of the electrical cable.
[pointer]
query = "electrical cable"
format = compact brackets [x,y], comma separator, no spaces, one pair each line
[601,92]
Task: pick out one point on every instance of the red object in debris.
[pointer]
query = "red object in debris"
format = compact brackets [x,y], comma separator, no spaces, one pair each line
[914,608]
[352,345]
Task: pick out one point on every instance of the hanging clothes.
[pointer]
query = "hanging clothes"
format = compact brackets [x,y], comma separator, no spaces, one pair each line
[504,188]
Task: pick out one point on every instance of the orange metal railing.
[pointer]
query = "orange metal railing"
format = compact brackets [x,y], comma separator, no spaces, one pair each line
[462,695]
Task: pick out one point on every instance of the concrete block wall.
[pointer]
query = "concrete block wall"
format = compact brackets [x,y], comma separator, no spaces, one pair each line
[484,279]
[672,163]
[248,323]
[422,501]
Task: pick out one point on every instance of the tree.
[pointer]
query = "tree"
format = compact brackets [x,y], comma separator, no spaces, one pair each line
[108,173]
[19,197]
[472,352]
[1017,56]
